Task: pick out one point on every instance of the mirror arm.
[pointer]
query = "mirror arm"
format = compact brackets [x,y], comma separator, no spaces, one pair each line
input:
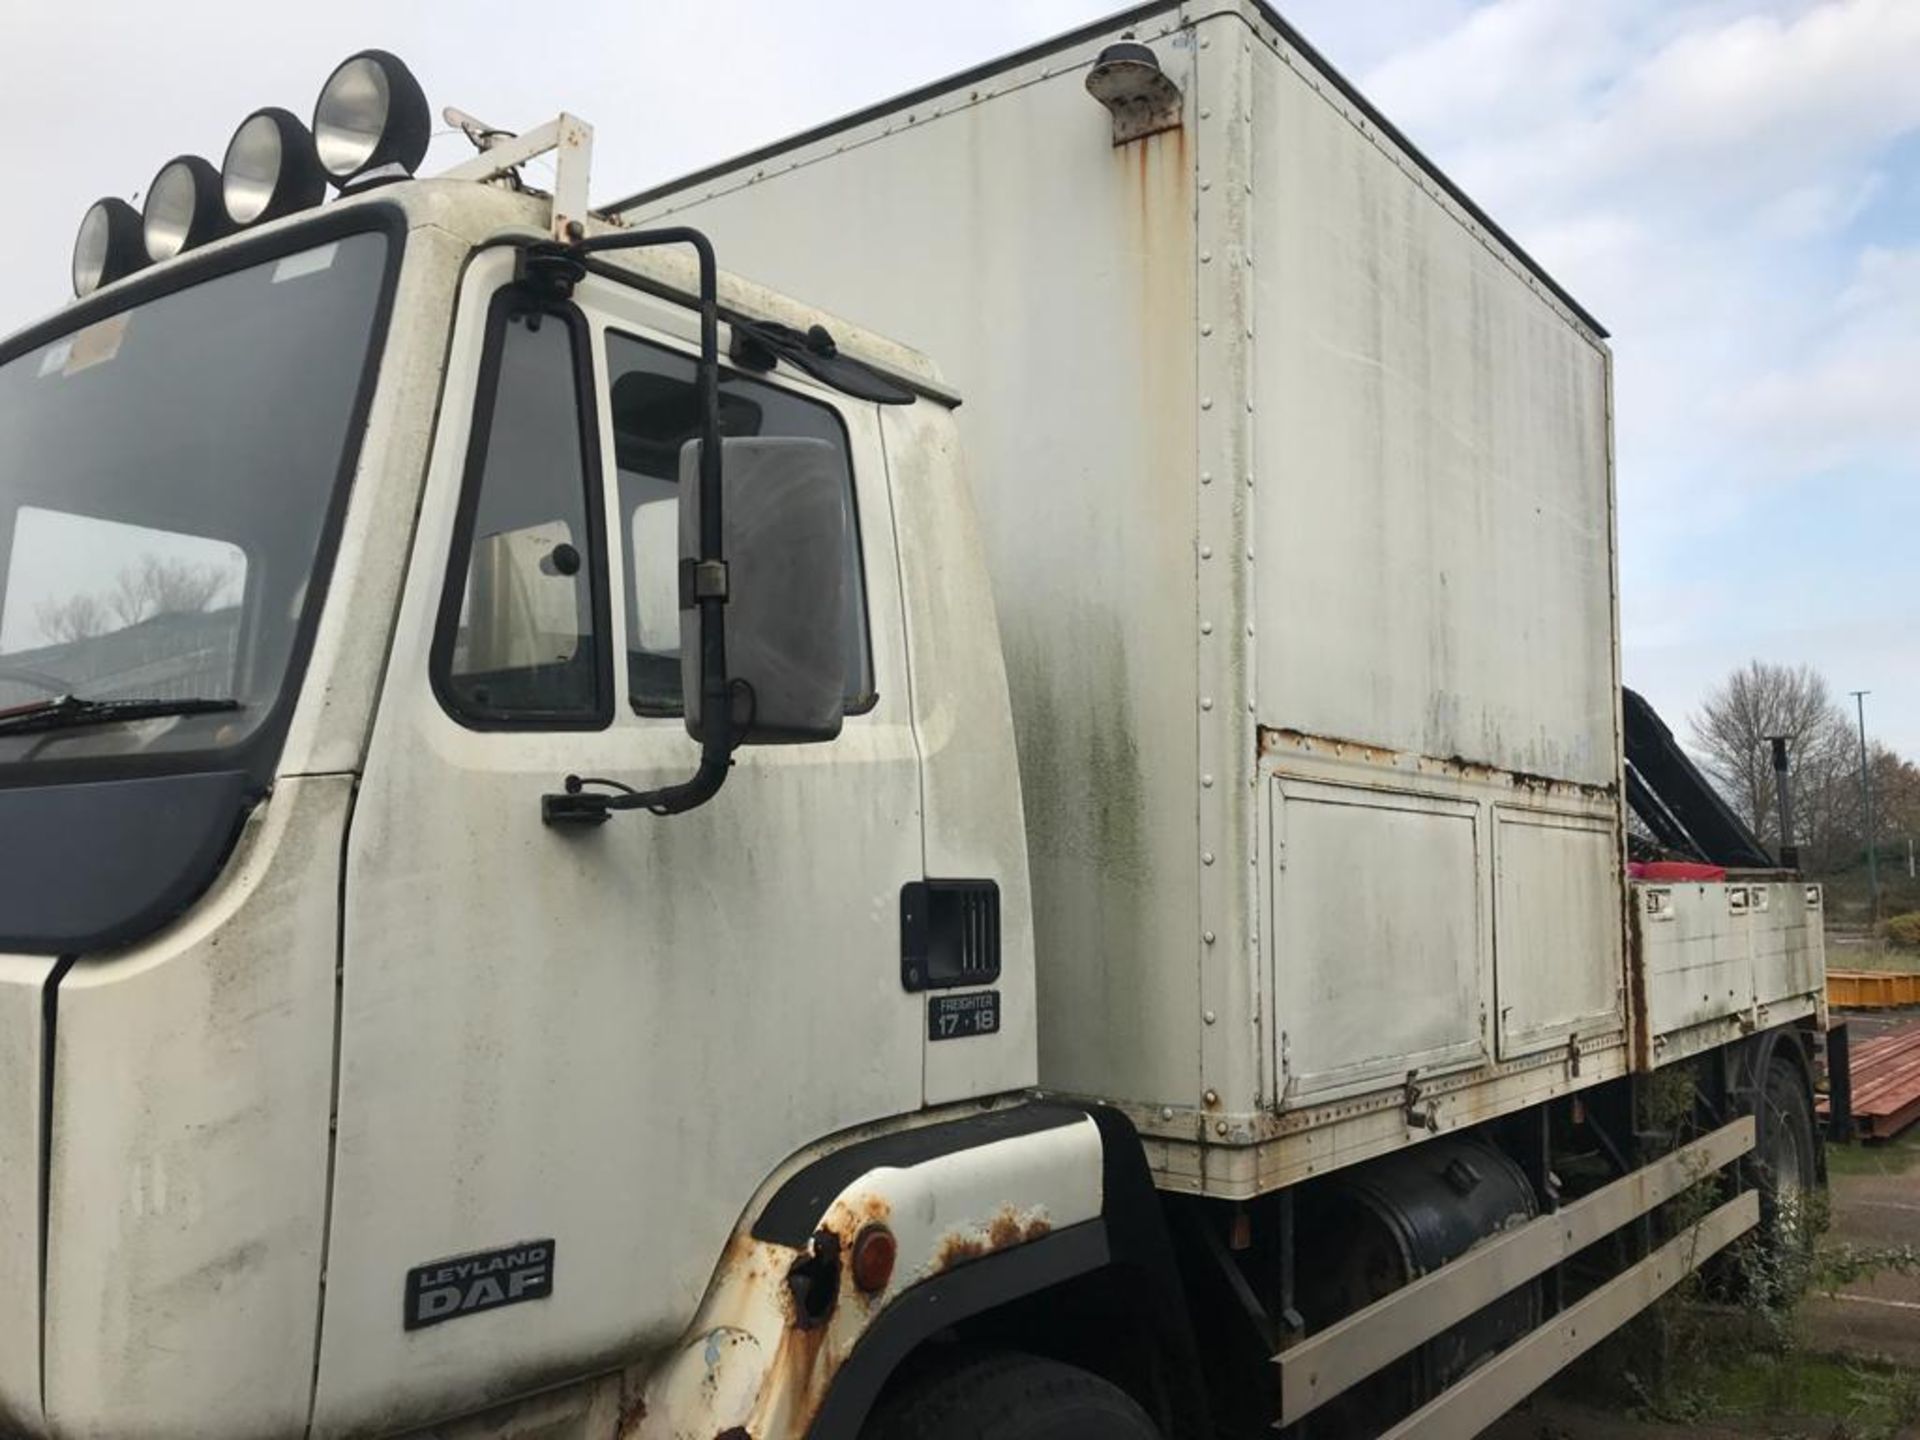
[577,806]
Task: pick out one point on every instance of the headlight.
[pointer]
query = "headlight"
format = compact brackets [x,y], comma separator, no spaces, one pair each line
[270,169]
[371,120]
[184,207]
[109,247]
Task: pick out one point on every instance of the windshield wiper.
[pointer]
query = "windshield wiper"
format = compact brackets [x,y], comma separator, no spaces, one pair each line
[66,711]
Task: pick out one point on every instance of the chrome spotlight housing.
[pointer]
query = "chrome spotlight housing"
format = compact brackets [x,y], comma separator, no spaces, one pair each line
[183,208]
[270,168]
[111,245]
[371,121]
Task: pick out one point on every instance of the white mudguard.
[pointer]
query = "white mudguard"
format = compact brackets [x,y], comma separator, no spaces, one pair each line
[784,1313]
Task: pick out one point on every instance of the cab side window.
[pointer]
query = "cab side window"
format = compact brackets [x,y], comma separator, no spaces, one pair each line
[521,644]
[655,414]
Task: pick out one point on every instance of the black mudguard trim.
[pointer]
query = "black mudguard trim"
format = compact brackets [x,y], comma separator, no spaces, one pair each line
[797,1207]
[933,1305]
[94,866]
[1137,1235]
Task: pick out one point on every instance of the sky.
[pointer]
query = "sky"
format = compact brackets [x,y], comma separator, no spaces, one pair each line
[1731,186]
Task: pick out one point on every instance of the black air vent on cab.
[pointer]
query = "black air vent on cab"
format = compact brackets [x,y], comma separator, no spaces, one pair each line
[949,933]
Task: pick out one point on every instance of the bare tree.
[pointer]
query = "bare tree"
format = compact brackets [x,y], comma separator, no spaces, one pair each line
[1761,700]
[150,587]
[1896,795]
[78,617]
[157,586]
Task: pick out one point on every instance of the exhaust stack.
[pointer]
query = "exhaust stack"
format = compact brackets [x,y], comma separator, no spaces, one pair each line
[1783,794]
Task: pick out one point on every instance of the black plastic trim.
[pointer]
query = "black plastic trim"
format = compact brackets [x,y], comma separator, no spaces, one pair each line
[101,864]
[796,1209]
[507,303]
[733,316]
[259,753]
[49,1019]
[931,1306]
[1137,1235]
[1080,36]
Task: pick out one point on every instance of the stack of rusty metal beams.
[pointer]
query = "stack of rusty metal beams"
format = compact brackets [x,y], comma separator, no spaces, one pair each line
[1886,1083]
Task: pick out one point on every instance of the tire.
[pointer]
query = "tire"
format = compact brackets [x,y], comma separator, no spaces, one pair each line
[1786,1166]
[1000,1395]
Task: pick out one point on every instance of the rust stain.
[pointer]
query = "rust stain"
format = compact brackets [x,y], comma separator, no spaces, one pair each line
[848,1218]
[802,1368]
[1274,740]
[868,1210]
[1006,1230]
[810,1351]
[957,1249]
[1641,1020]
[632,1411]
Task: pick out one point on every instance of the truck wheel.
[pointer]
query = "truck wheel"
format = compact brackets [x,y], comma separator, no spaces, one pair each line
[999,1395]
[1785,1163]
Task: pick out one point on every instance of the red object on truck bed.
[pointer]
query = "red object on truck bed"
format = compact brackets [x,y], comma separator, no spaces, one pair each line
[1675,870]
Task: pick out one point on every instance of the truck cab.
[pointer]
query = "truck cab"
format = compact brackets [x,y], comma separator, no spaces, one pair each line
[303,994]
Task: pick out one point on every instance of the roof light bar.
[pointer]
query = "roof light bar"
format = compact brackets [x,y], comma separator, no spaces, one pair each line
[370,124]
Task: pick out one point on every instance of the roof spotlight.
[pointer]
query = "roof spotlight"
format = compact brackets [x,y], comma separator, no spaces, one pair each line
[109,247]
[371,121]
[184,207]
[270,169]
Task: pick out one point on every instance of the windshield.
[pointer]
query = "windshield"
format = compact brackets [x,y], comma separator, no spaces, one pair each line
[166,475]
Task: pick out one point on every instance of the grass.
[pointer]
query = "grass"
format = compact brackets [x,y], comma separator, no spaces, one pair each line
[1846,893]
[1872,954]
[1892,1157]
[1856,1399]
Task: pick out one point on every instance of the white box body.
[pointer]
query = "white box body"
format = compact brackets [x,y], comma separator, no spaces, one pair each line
[1295,480]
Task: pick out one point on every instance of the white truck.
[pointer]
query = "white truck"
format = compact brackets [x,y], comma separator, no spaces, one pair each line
[586,851]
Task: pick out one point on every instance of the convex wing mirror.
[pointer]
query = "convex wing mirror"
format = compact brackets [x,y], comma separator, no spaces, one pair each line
[786,543]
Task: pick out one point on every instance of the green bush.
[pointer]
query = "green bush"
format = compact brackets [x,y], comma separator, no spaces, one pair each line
[1905,930]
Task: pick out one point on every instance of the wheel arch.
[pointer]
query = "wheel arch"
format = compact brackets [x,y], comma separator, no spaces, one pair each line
[1104,1295]
[1793,1045]
[1784,1041]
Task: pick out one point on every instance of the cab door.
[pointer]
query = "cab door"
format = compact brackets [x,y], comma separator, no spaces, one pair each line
[569,1056]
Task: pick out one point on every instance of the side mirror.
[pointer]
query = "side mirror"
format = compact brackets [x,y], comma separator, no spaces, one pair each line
[786,545]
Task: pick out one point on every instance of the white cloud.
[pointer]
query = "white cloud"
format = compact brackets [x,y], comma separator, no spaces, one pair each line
[1837,78]
[1820,208]
[1503,67]
[1542,102]
[1848,397]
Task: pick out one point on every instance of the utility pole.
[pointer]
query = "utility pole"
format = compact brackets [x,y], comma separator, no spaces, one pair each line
[1866,806]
